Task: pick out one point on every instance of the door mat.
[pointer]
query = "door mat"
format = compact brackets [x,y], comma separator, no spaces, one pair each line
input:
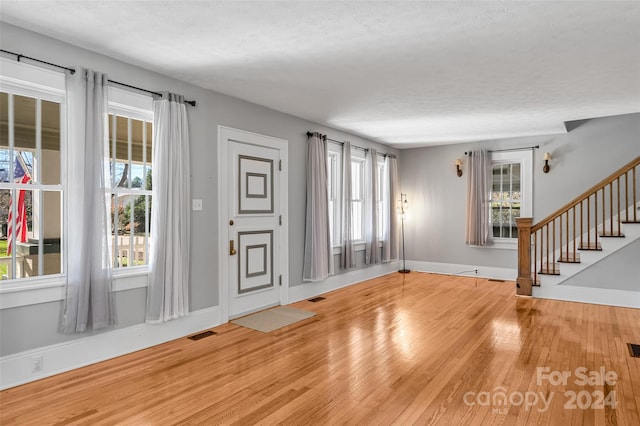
[273,319]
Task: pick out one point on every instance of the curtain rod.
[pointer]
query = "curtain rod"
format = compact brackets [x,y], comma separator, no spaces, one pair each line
[72,71]
[508,149]
[309,134]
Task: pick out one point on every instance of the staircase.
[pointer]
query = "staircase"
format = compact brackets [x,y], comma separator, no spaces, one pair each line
[589,229]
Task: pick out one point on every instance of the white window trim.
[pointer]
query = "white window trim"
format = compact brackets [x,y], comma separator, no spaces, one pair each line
[32,81]
[525,158]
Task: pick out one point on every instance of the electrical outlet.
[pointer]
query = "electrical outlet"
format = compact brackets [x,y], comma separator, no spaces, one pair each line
[476,271]
[37,364]
[196,205]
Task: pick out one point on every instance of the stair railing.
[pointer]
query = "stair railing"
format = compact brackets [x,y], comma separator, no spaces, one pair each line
[575,226]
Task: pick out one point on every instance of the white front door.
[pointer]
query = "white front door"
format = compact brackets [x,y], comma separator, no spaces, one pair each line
[253,226]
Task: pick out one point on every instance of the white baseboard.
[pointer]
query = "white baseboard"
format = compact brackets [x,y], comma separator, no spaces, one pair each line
[17,369]
[598,296]
[464,270]
[313,289]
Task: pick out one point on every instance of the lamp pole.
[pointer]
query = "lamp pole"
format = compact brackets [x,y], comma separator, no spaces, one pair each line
[403,208]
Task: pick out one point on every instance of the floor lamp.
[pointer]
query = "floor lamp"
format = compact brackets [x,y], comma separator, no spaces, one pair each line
[404,206]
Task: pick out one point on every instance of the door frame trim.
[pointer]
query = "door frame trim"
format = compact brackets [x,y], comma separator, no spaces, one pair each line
[223,215]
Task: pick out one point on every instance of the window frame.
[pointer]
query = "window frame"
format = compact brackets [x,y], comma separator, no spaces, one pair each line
[20,79]
[525,159]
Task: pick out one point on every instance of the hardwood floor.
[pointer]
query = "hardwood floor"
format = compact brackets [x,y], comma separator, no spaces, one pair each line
[401,349]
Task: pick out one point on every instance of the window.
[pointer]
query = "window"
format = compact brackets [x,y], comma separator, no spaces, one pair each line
[31,191]
[380,196]
[511,192]
[358,188]
[130,143]
[33,161]
[357,195]
[334,161]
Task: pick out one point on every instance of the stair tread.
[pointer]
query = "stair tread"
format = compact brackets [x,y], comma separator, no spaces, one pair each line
[614,234]
[590,246]
[571,258]
[552,269]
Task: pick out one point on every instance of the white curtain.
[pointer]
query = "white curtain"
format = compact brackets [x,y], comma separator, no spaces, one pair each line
[391,192]
[372,252]
[88,303]
[478,189]
[348,256]
[168,290]
[318,261]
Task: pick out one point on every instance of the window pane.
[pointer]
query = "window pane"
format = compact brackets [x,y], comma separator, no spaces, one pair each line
[356,218]
[50,148]
[121,219]
[356,180]
[141,214]
[139,156]
[19,229]
[24,243]
[119,151]
[4,138]
[4,120]
[380,224]
[5,262]
[149,157]
[505,199]
[137,174]
[24,114]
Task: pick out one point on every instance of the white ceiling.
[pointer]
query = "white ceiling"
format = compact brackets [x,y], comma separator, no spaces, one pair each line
[403,73]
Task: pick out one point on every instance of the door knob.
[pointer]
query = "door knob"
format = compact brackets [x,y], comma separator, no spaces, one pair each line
[232,250]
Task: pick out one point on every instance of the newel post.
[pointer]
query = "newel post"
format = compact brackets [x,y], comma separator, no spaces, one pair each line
[523,287]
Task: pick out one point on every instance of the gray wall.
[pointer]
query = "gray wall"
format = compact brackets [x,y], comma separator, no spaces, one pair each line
[621,272]
[40,321]
[435,230]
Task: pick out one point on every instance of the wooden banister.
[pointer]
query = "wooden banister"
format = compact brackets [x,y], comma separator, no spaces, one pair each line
[595,188]
[523,283]
[592,213]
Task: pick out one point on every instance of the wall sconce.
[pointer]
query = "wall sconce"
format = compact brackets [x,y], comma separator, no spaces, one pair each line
[459,170]
[546,167]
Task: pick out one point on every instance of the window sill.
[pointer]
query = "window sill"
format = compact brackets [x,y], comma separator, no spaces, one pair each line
[51,289]
[359,246]
[500,245]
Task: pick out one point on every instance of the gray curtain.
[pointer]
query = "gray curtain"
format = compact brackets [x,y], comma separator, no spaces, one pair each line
[478,190]
[168,289]
[88,303]
[348,256]
[317,241]
[372,252]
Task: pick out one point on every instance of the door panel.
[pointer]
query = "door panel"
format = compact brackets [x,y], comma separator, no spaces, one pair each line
[255,260]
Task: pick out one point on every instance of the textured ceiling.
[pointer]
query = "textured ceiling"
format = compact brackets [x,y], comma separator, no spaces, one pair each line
[402,73]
